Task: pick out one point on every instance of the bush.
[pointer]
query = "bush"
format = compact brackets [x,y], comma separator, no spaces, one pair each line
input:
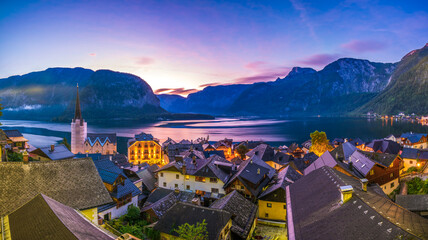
[417,186]
[412,169]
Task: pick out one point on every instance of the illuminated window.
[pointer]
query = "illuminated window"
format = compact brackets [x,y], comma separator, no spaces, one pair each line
[199,179]
[187,177]
[269,205]
[391,175]
[371,172]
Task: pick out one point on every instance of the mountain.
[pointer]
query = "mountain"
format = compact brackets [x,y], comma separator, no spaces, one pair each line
[339,88]
[408,90]
[104,94]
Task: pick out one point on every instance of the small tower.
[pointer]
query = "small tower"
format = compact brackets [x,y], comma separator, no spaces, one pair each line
[79,128]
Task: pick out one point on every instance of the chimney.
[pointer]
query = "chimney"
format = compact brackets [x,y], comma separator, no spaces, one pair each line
[346,193]
[258,171]
[52,148]
[25,157]
[364,183]
[110,157]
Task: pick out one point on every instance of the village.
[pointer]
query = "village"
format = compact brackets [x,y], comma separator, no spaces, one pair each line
[218,189]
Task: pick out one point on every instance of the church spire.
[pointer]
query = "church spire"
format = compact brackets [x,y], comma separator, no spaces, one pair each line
[77,112]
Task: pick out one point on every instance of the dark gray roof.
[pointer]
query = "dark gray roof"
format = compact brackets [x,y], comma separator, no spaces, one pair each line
[315,211]
[263,151]
[75,183]
[413,202]
[243,210]
[148,178]
[182,213]
[324,160]
[411,153]
[286,176]
[383,159]
[162,205]
[12,133]
[384,146]
[159,193]
[59,152]
[44,218]
[302,163]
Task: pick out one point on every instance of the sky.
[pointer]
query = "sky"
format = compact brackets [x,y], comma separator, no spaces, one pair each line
[179,47]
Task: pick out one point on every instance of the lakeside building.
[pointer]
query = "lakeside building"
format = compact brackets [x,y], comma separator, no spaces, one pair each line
[144,148]
[414,158]
[84,142]
[414,140]
[75,183]
[16,141]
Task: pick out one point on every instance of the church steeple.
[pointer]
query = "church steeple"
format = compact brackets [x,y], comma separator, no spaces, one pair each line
[77,111]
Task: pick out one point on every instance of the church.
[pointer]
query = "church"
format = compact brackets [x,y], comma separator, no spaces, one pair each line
[84,142]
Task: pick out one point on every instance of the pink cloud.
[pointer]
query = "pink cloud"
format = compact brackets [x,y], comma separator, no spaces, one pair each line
[209,85]
[178,91]
[255,65]
[92,54]
[319,59]
[145,61]
[360,46]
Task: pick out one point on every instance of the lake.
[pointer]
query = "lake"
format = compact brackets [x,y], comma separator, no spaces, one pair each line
[273,131]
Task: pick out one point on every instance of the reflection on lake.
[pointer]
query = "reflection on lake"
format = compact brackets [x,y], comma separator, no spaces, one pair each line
[273,131]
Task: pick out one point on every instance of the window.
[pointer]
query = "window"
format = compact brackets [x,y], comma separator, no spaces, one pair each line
[411,162]
[213,180]
[214,190]
[269,205]
[177,176]
[392,185]
[161,174]
[391,175]
[176,185]
[164,184]
[187,187]
[371,172]
[285,206]
[107,216]
[187,177]
[242,187]
[199,179]
[267,215]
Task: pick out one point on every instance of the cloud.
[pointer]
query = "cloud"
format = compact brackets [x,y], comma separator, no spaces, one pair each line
[303,14]
[255,65]
[178,91]
[145,61]
[92,54]
[360,46]
[319,60]
[209,85]
[266,77]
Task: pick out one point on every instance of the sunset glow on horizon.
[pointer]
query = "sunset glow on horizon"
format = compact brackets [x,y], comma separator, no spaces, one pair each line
[179,47]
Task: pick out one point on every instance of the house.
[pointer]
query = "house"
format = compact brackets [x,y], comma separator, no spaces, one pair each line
[265,153]
[414,140]
[272,204]
[414,158]
[16,140]
[244,214]
[45,218]
[168,142]
[382,146]
[357,142]
[3,142]
[204,177]
[295,150]
[414,202]
[380,168]
[208,147]
[327,204]
[143,177]
[225,145]
[306,146]
[173,150]
[104,143]
[251,177]
[161,200]
[337,141]
[305,161]
[122,191]
[392,137]
[59,152]
[75,183]
[219,222]
[143,148]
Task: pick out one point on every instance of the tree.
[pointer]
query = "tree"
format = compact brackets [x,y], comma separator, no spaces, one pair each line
[192,232]
[133,215]
[320,143]
[242,150]
[66,144]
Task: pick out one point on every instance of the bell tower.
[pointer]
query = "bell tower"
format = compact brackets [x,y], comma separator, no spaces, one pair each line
[79,128]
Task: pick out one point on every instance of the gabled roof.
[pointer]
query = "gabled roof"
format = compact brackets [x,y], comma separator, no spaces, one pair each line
[148,178]
[162,205]
[413,202]
[413,137]
[193,153]
[263,151]
[361,163]
[159,193]
[314,208]
[182,213]
[411,153]
[244,212]
[249,144]
[286,176]
[302,163]
[44,218]
[75,183]
[13,133]
[383,159]
[324,160]
[143,137]
[102,138]
[344,151]
[384,146]
[59,152]
[357,141]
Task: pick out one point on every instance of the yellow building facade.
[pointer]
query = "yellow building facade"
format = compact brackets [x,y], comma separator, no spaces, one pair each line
[270,210]
[144,149]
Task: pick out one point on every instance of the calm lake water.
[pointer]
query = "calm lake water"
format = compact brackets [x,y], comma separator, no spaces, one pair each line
[273,131]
